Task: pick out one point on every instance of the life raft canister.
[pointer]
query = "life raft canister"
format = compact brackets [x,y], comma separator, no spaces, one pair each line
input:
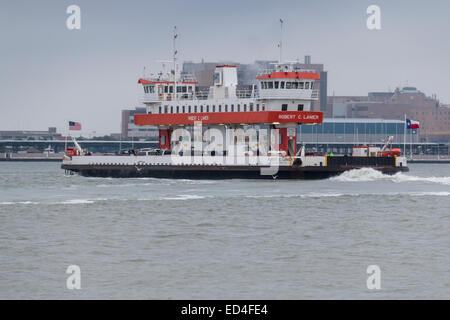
[297,162]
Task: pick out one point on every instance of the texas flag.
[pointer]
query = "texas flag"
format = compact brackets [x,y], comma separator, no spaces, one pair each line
[411,124]
[74,125]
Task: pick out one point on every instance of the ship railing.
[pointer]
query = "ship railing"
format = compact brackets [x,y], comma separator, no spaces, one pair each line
[150,97]
[247,93]
[184,77]
[303,94]
[263,72]
[198,95]
[202,94]
[188,77]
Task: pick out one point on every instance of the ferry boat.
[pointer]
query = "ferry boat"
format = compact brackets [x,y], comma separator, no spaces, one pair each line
[228,133]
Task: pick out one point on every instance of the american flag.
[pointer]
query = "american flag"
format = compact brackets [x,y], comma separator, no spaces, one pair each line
[74,125]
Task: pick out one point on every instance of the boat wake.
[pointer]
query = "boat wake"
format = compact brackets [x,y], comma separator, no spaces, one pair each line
[326,195]
[369,174]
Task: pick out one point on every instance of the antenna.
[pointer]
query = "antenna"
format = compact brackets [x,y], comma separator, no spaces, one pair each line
[175,35]
[280,45]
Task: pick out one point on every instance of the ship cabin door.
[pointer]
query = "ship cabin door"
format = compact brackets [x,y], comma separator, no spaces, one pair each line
[164,138]
[288,140]
[291,147]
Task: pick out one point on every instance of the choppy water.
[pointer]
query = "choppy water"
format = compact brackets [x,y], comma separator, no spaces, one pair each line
[182,239]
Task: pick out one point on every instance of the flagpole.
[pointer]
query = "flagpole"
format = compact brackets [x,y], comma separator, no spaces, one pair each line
[404,137]
[67,132]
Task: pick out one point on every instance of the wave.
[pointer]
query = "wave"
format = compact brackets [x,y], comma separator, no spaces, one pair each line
[369,174]
[139,182]
[442,193]
[183,197]
[82,201]
[324,195]
[18,202]
[308,195]
[76,201]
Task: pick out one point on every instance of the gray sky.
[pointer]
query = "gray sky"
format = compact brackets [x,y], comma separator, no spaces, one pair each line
[49,74]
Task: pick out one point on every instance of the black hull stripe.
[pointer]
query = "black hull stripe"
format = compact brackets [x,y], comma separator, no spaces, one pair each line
[216,172]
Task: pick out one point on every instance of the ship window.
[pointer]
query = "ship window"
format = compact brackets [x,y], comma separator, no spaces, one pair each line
[189,108]
[190,89]
[214,108]
[288,85]
[263,107]
[195,109]
[263,85]
[276,84]
[311,86]
[201,108]
[270,85]
[226,108]
[160,109]
[282,84]
[245,107]
[145,90]
[238,108]
[300,107]
[251,106]
[166,89]
[257,107]
[207,108]
[151,89]
[184,109]
[301,85]
[178,109]
[165,109]
[171,109]
[294,85]
[183,89]
[306,85]
[284,107]
[232,108]
[220,108]
[171,89]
